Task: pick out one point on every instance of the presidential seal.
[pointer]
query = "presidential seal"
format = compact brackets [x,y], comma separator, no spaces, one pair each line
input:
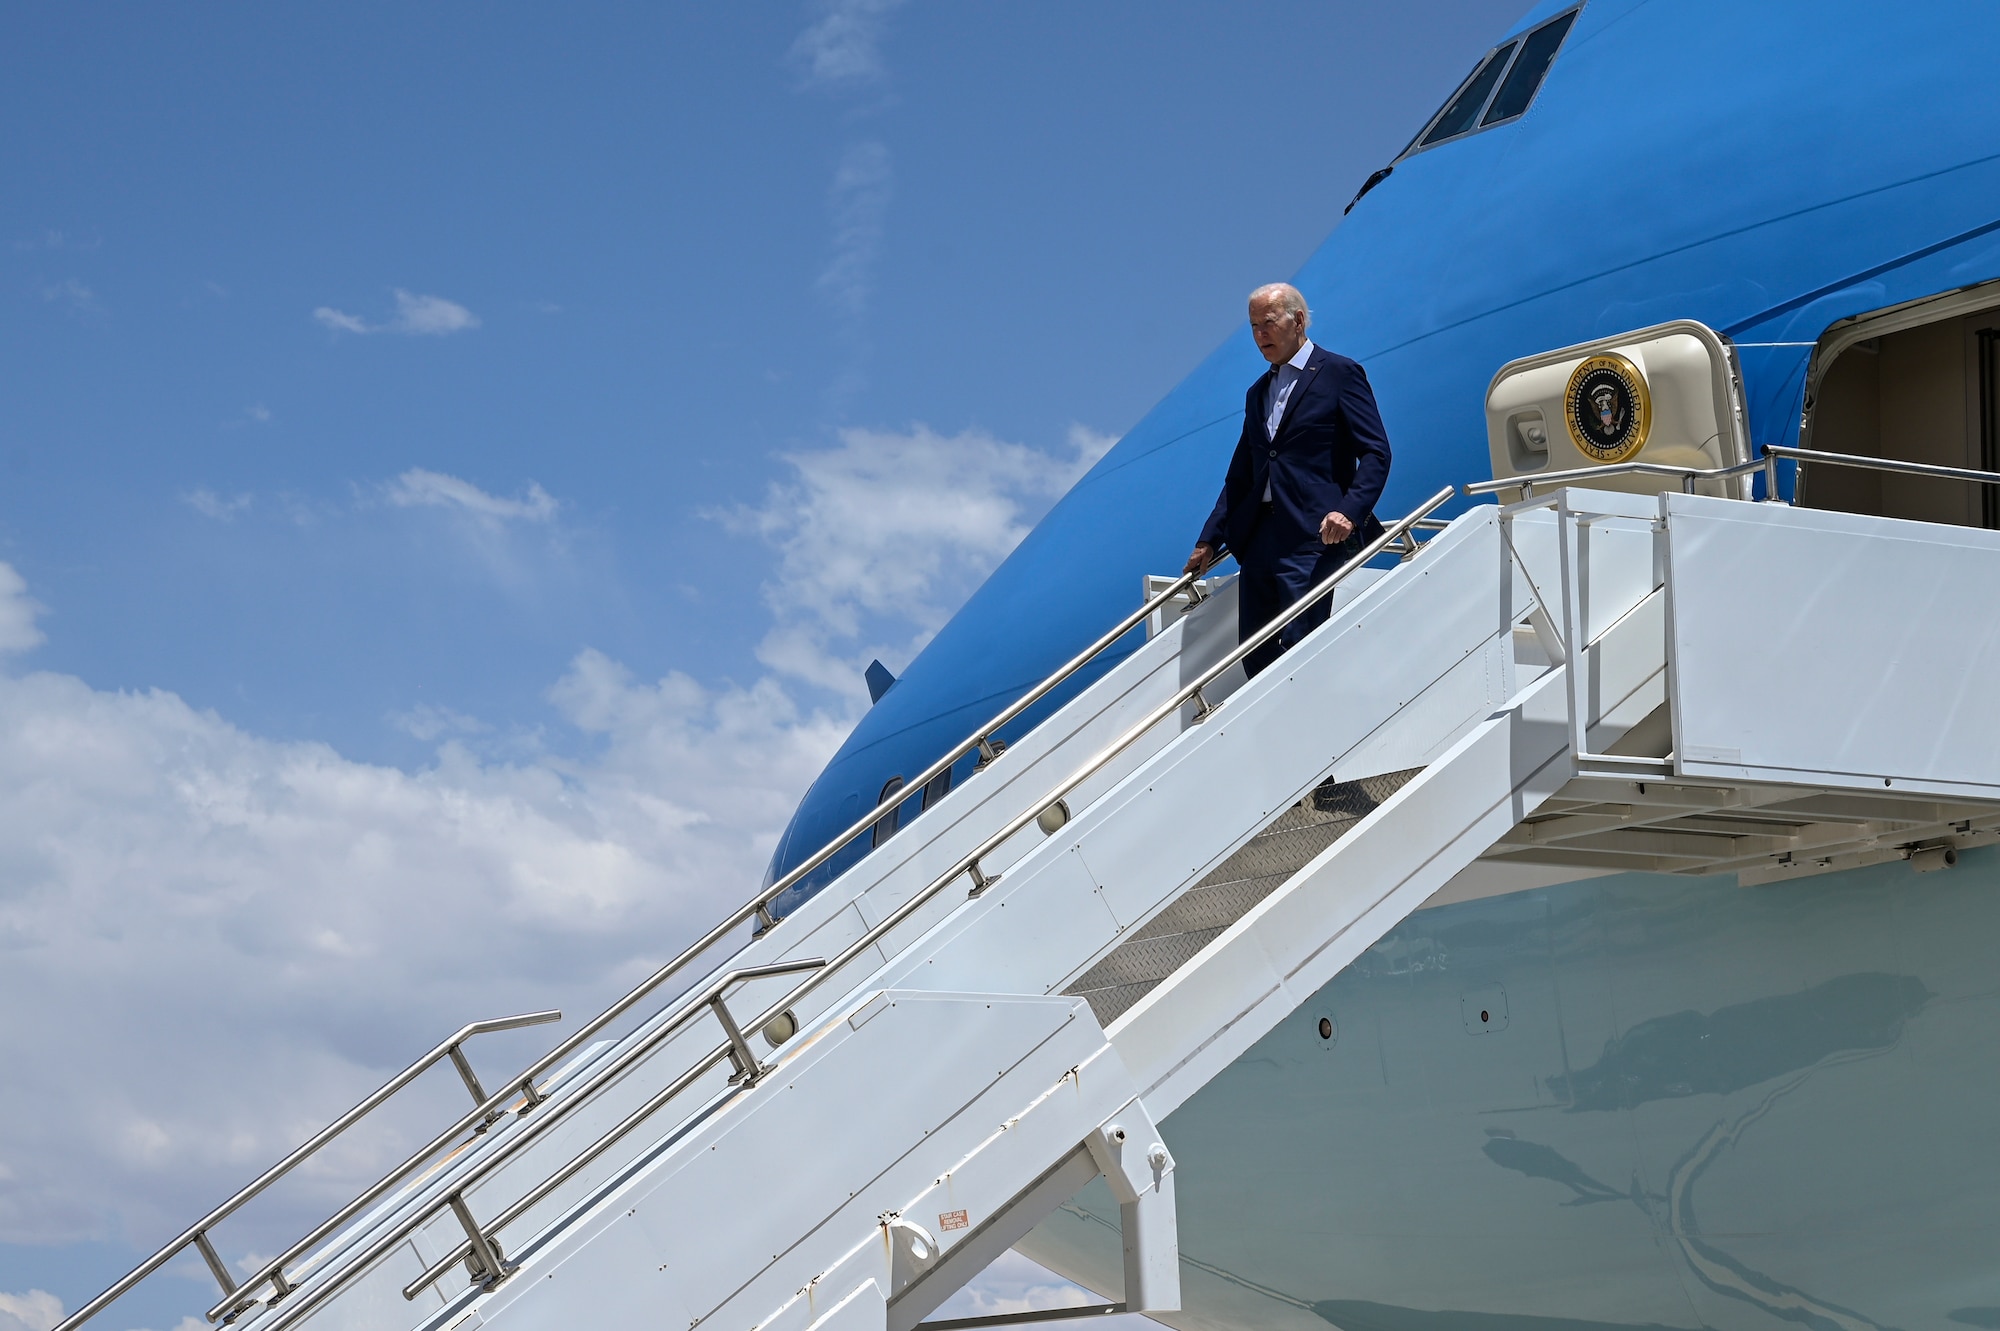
[1608,409]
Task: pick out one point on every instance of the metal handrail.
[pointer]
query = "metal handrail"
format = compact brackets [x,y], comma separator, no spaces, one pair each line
[967,865]
[522,1086]
[197,1233]
[981,739]
[1866,463]
[1399,536]
[513,1142]
[734,1048]
[755,908]
[1768,464]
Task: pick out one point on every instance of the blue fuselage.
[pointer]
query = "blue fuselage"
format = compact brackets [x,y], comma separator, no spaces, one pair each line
[1766,169]
[1711,1106]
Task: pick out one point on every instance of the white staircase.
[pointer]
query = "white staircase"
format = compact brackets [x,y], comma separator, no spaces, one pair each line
[1003,1001]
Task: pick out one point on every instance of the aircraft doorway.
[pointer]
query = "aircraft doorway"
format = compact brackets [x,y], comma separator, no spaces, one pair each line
[1919,383]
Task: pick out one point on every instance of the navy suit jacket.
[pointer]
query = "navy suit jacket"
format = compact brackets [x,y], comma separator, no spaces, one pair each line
[1331,455]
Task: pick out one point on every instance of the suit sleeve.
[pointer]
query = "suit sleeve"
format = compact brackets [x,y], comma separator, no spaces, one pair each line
[1371,447]
[1217,527]
[1218,521]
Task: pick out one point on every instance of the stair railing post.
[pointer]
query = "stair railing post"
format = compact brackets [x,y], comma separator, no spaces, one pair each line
[741,1056]
[1569,539]
[215,1266]
[485,1253]
[236,1300]
[471,1080]
[1539,618]
[738,1049]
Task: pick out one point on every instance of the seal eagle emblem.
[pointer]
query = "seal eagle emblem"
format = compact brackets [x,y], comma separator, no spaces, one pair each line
[1608,408]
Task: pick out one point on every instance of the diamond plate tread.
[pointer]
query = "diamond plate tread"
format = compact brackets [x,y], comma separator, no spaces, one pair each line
[1259,867]
[1148,959]
[1276,852]
[1215,907]
[1110,1004]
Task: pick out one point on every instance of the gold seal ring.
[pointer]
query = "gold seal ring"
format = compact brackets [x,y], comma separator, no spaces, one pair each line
[1608,408]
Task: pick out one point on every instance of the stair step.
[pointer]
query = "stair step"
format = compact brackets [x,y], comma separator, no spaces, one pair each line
[1259,867]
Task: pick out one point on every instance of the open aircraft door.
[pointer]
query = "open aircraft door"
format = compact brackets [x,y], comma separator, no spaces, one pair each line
[1670,394]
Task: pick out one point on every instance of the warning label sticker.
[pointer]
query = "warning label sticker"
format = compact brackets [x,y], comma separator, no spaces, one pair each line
[950,1220]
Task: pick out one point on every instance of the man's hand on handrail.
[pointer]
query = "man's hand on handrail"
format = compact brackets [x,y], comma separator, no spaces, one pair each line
[1335,528]
[1203,559]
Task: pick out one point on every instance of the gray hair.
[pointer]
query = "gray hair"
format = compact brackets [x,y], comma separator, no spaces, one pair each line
[1288,297]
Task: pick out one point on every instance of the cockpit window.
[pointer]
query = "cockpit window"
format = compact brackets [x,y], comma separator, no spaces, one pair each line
[1501,87]
[1526,75]
[1464,109]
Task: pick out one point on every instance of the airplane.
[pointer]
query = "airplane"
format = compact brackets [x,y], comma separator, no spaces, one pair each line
[1570,1095]
[1690,1029]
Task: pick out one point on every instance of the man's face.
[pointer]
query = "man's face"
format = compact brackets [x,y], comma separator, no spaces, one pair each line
[1279,332]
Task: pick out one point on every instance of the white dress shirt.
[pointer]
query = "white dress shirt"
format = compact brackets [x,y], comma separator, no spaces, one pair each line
[1283,381]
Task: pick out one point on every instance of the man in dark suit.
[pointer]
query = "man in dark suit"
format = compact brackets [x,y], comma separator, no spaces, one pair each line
[1299,497]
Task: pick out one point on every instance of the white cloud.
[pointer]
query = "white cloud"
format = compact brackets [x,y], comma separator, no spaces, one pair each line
[432,315]
[427,722]
[859,200]
[72,294]
[1089,445]
[418,488]
[190,901]
[248,934]
[17,617]
[1014,1284]
[888,533]
[842,50]
[1017,1284]
[37,1310]
[212,505]
[258,413]
[844,46]
[515,543]
[342,322]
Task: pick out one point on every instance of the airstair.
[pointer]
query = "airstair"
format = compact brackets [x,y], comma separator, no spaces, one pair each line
[853,1112]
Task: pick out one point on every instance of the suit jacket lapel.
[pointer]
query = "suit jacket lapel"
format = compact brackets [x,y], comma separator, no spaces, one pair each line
[1314,363]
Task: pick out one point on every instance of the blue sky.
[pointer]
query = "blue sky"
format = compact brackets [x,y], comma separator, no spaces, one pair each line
[462,445]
